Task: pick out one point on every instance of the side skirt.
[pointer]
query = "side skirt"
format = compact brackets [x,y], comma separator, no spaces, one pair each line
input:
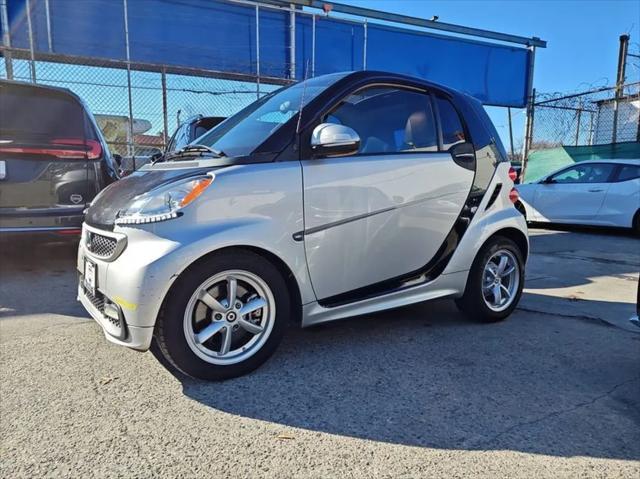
[445,285]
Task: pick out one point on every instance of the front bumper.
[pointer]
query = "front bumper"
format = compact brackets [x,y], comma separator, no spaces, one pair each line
[123,334]
[133,281]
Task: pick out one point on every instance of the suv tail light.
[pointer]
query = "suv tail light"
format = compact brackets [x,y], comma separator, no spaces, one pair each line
[67,148]
[514,196]
[513,174]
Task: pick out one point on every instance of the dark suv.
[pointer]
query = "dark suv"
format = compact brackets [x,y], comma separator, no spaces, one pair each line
[191,129]
[53,159]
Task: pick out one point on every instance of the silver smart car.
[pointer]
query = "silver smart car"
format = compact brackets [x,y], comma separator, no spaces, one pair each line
[338,196]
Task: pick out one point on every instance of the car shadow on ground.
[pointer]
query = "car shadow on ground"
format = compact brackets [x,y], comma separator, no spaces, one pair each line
[29,267]
[425,376]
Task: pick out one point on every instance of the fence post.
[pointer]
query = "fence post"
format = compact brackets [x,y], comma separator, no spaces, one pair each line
[165,108]
[313,45]
[579,114]
[47,11]
[364,49]
[638,132]
[510,132]
[6,39]
[31,45]
[257,51]
[620,77]
[292,42]
[531,99]
[130,146]
[528,135]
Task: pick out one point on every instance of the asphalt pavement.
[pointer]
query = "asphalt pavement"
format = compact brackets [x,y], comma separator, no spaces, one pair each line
[554,391]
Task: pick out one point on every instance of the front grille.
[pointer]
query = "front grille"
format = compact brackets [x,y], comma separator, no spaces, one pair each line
[100,245]
[97,300]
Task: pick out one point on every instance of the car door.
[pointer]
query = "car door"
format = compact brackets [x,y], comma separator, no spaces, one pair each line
[573,195]
[623,197]
[385,211]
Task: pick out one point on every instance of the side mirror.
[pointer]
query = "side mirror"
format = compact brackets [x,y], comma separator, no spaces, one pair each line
[118,159]
[329,139]
[548,181]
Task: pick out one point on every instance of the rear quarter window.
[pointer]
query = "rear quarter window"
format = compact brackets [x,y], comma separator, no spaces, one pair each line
[628,172]
[452,128]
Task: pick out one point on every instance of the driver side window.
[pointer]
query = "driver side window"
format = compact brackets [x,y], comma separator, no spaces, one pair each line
[598,173]
[388,120]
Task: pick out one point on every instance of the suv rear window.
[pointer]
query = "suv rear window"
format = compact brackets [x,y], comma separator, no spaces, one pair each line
[33,115]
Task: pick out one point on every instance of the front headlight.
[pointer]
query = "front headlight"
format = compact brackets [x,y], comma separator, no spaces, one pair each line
[164,203]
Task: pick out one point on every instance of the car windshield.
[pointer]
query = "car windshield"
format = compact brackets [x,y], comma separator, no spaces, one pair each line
[243,132]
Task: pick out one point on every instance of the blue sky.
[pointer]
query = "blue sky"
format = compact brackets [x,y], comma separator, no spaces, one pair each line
[582,36]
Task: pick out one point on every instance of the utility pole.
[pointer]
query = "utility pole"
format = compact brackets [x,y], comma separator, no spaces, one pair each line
[620,79]
[513,155]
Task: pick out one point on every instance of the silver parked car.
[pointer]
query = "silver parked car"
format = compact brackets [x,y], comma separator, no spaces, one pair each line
[339,196]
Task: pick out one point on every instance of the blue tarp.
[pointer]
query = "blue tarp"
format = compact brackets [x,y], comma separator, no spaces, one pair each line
[218,35]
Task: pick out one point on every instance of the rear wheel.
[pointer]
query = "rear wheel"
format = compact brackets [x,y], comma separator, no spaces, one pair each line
[224,317]
[636,223]
[495,281]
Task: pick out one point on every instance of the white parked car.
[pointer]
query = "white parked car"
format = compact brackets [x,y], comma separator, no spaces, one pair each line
[597,193]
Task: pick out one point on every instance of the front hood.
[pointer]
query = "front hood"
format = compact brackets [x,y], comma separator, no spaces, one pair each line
[105,207]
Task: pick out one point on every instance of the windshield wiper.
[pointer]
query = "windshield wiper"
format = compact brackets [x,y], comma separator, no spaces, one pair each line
[202,149]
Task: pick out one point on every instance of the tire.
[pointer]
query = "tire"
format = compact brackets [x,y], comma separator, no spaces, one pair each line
[197,305]
[635,226]
[473,302]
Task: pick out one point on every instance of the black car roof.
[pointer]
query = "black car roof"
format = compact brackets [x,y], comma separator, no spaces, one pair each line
[40,87]
[376,75]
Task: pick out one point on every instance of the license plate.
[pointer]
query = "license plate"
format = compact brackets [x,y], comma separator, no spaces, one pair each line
[90,273]
[3,170]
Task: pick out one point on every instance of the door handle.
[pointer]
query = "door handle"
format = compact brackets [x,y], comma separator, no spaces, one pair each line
[595,190]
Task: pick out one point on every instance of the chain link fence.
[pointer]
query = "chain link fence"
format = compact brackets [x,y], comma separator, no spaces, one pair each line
[139,108]
[599,124]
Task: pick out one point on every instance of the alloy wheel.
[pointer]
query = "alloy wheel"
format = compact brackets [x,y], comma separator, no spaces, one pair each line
[500,280]
[229,317]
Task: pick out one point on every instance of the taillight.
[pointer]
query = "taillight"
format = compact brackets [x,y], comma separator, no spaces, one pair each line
[72,232]
[92,148]
[68,148]
[514,196]
[513,174]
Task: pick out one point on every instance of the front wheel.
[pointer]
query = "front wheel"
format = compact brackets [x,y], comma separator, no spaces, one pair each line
[495,281]
[224,317]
